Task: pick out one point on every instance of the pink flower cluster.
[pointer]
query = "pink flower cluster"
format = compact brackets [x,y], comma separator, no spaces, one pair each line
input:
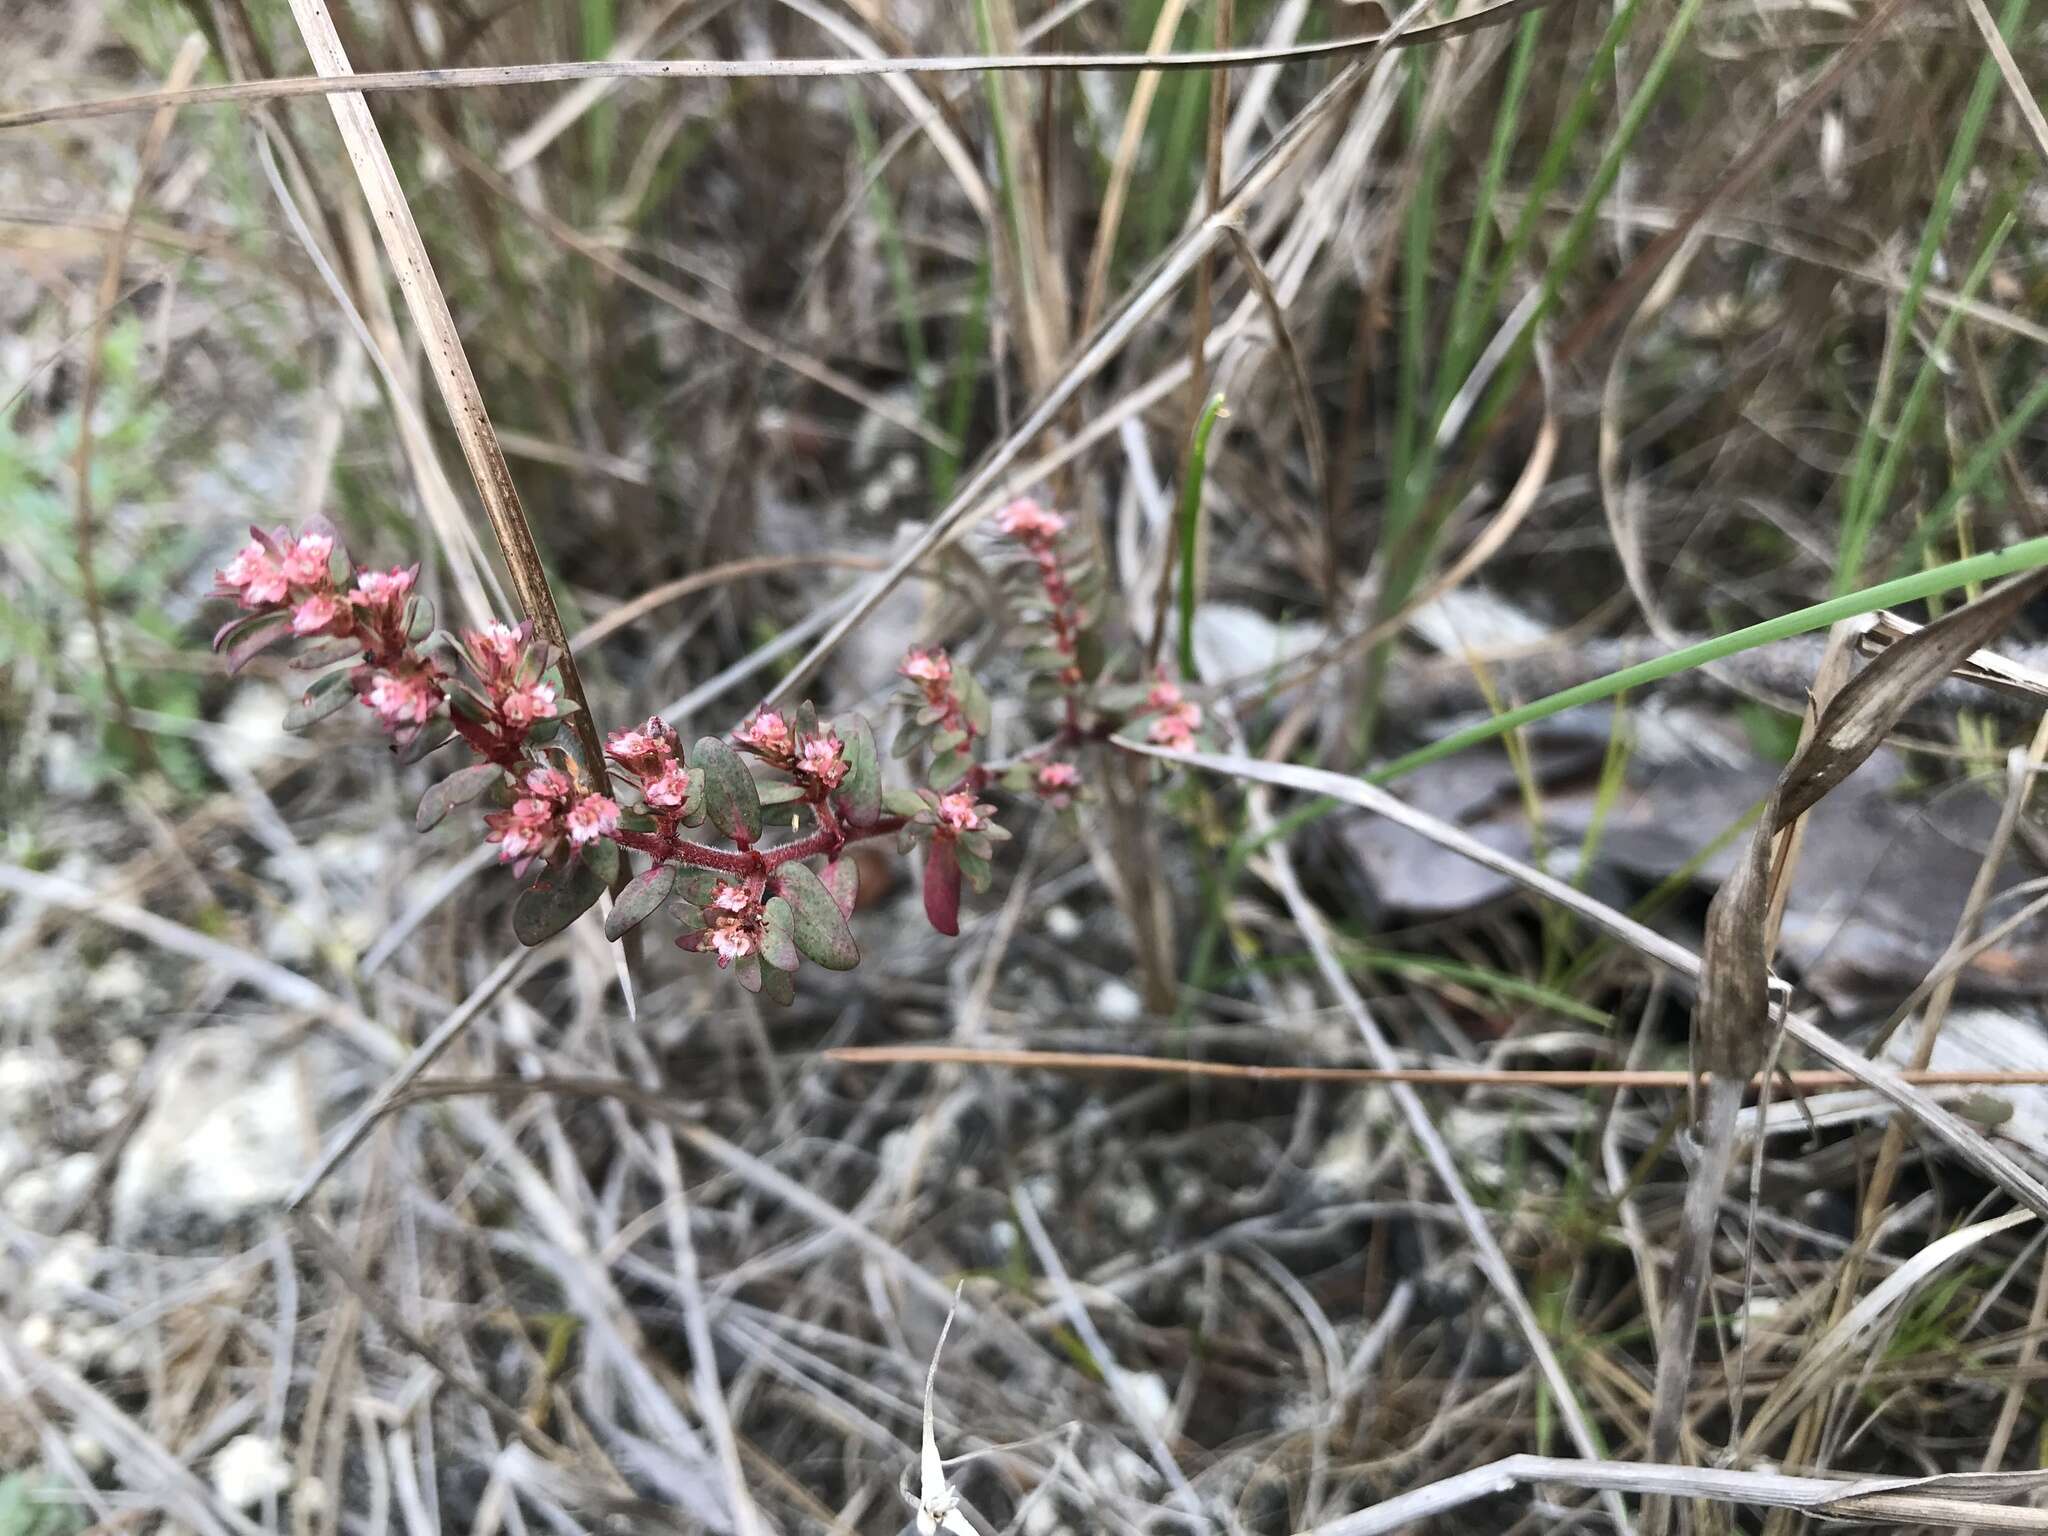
[961,812]
[1178,719]
[1039,529]
[649,752]
[1057,783]
[767,735]
[552,813]
[931,672]
[732,925]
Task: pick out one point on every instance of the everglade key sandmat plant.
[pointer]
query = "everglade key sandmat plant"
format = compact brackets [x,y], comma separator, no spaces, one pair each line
[1241,766]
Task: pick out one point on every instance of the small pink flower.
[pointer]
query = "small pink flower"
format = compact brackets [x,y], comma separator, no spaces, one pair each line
[1025,519]
[549,783]
[255,576]
[305,562]
[403,700]
[522,831]
[931,667]
[592,817]
[958,812]
[313,615]
[732,898]
[767,733]
[378,589]
[1057,778]
[1175,730]
[668,789]
[527,703]
[732,943]
[823,760]
[497,645]
[630,747]
[1164,695]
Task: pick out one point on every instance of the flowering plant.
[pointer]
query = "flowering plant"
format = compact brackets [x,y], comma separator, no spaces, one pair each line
[756,906]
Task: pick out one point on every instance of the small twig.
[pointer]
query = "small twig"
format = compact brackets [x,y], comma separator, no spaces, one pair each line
[1617,1078]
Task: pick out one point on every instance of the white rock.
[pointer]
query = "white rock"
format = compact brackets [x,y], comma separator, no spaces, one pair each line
[229,1131]
[90,1455]
[38,1333]
[1147,1393]
[69,1266]
[1117,1002]
[250,1469]
[27,1079]
[1063,924]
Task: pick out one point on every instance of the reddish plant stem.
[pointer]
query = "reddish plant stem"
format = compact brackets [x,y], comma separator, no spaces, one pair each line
[826,839]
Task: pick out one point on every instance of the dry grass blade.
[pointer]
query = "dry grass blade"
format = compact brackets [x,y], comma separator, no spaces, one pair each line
[501,976]
[762,69]
[1947,1499]
[1422,1077]
[450,363]
[1967,1142]
[1873,702]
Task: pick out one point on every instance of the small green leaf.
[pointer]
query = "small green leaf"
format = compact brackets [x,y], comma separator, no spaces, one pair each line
[779,987]
[973,701]
[323,697]
[778,794]
[603,858]
[778,934]
[248,640]
[730,799]
[904,802]
[747,971]
[459,788]
[820,927]
[805,721]
[910,738]
[640,900]
[861,792]
[555,899]
[950,770]
[973,866]
[419,618]
[325,653]
[698,886]
[434,735]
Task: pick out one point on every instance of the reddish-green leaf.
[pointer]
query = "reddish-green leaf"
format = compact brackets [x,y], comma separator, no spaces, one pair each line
[555,899]
[730,799]
[640,900]
[942,886]
[819,926]
[324,697]
[459,788]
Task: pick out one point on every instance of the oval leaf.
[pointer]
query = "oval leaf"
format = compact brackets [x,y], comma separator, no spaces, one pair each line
[730,799]
[554,901]
[779,987]
[942,886]
[640,900]
[820,927]
[861,792]
[246,644]
[842,878]
[778,934]
[603,858]
[324,697]
[459,788]
[432,736]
